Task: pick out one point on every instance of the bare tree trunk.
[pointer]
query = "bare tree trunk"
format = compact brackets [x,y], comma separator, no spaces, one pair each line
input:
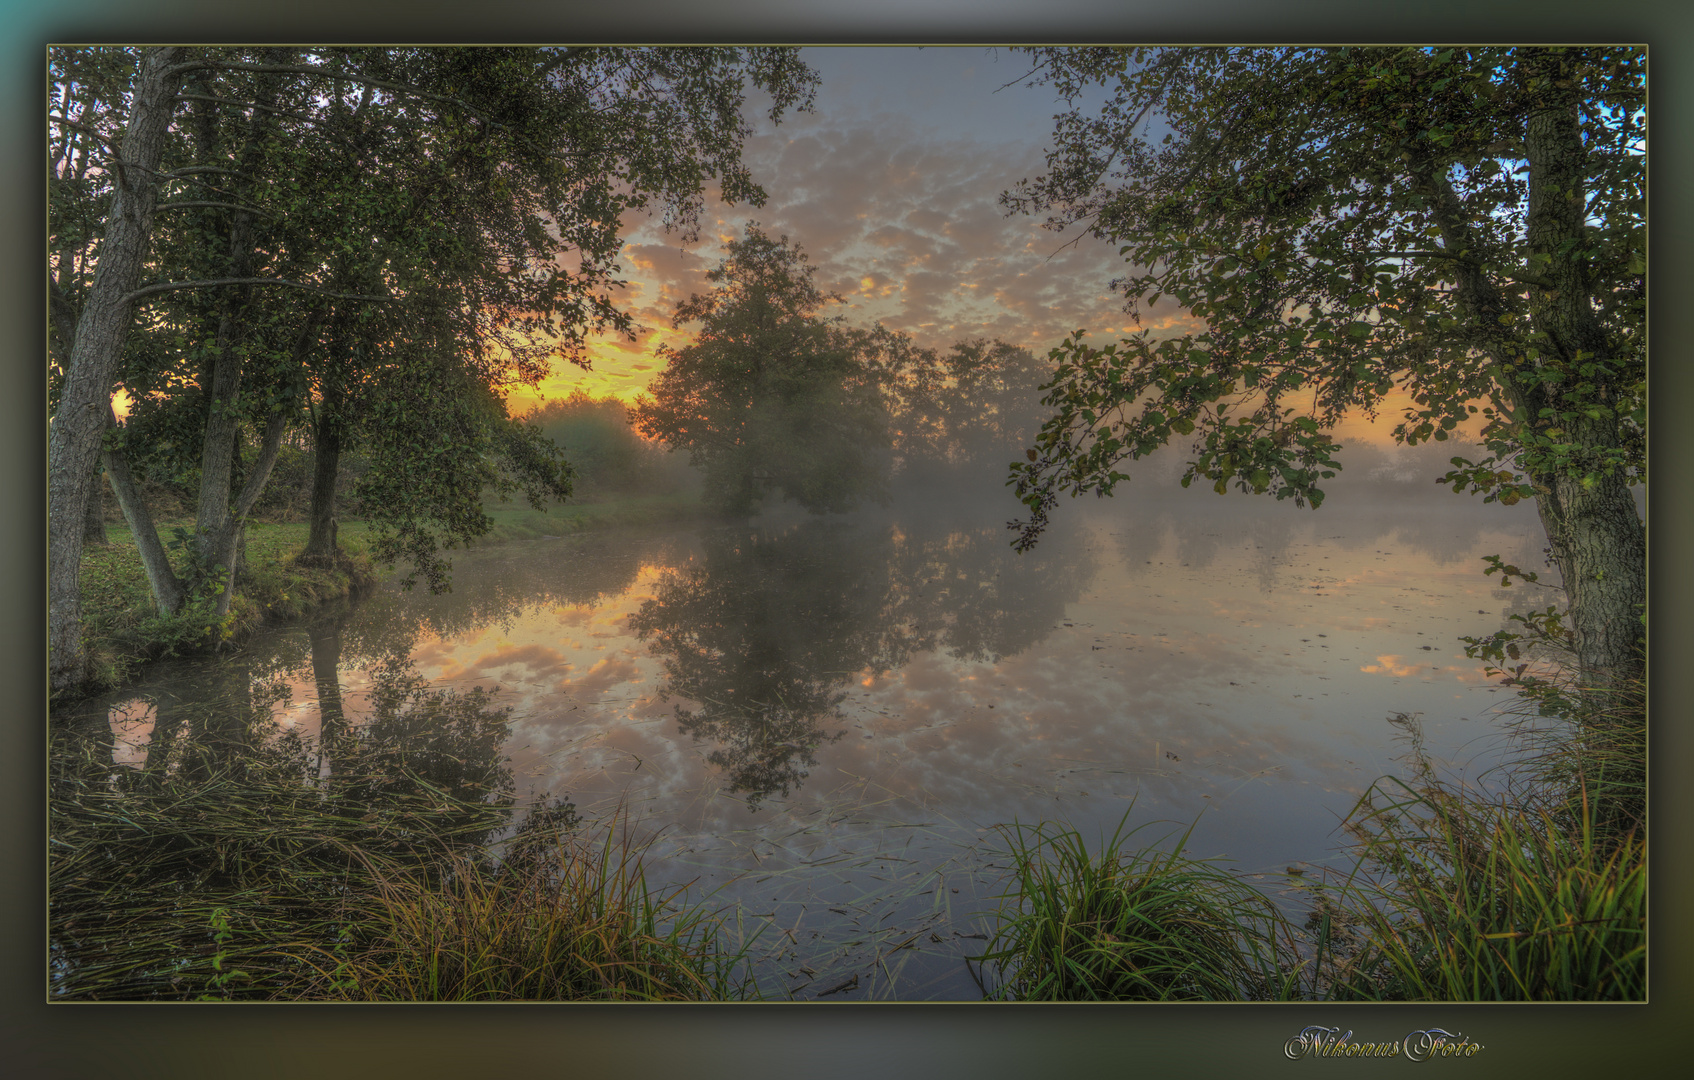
[73,444]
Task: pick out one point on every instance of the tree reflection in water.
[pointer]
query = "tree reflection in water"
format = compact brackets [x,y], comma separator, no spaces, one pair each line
[762,635]
[234,816]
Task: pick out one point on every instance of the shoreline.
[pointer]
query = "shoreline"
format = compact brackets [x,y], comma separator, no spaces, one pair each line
[123,633]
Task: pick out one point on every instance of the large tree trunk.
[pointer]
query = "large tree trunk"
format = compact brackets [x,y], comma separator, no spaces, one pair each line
[73,443]
[215,527]
[94,522]
[321,546]
[219,524]
[1596,535]
[1600,547]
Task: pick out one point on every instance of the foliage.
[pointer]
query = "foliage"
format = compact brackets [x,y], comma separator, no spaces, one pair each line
[978,404]
[1461,226]
[343,230]
[770,396]
[1147,925]
[435,449]
[598,438]
[1481,900]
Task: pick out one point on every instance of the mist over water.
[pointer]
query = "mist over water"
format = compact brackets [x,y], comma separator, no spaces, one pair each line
[824,718]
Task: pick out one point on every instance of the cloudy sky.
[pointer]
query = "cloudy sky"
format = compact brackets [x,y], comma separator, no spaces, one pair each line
[891,187]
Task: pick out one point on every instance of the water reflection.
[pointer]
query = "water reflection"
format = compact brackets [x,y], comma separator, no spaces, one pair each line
[763,633]
[406,743]
[881,690]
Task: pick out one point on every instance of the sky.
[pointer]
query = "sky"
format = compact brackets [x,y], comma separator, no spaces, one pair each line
[891,187]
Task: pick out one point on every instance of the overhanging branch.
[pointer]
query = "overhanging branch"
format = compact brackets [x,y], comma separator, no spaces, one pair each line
[173,286]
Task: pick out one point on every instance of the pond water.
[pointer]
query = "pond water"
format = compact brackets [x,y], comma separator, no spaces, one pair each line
[823,720]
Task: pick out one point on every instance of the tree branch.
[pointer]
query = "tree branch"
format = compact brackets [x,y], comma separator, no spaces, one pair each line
[172,286]
[1524,279]
[330,73]
[225,205]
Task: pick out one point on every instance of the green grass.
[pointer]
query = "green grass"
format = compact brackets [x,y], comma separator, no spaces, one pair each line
[1537,892]
[1122,925]
[248,878]
[123,630]
[576,925]
[521,522]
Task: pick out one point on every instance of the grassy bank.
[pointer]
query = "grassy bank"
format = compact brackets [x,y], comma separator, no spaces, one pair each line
[123,630]
[252,878]
[1534,891]
[519,522]
[235,868]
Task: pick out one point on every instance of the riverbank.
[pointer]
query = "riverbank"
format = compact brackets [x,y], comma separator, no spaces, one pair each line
[384,885]
[123,631]
[1535,890]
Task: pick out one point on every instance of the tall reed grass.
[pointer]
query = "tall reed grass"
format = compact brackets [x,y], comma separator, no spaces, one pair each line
[576,923]
[1130,925]
[1534,892]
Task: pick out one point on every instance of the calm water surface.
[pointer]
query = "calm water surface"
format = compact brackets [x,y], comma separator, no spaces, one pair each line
[824,719]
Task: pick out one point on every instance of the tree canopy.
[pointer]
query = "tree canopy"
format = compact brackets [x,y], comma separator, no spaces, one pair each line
[770,396]
[1456,232]
[312,235]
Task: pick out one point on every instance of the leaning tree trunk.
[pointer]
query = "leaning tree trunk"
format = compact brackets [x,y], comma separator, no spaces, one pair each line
[221,546]
[167,590]
[74,441]
[1596,536]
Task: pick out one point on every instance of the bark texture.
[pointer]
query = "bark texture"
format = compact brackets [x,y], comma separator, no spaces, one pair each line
[94,522]
[321,545]
[1595,534]
[74,440]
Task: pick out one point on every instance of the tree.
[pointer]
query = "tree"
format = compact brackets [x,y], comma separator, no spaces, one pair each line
[1463,226]
[479,192]
[95,340]
[597,438]
[770,396]
[980,403]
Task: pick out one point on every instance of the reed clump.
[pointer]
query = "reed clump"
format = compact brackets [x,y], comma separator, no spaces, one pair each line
[1534,889]
[1130,925]
[1537,892]
[580,925]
